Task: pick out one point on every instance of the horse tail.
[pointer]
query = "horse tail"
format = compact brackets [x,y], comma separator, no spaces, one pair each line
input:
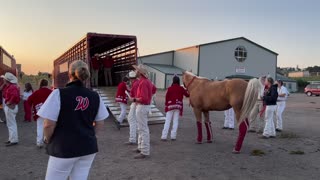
[250,98]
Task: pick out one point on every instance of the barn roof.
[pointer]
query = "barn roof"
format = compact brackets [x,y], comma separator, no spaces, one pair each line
[284,78]
[166,69]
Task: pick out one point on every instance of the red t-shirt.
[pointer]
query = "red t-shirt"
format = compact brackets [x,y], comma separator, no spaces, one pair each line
[134,88]
[121,93]
[107,62]
[145,91]
[12,94]
[95,63]
[174,98]
[37,99]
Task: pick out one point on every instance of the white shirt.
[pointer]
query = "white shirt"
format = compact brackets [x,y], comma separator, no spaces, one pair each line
[25,95]
[51,108]
[283,90]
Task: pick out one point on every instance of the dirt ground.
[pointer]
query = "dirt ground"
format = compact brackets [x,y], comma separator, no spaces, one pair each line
[183,159]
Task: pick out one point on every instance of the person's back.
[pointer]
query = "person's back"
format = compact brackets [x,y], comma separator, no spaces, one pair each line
[74,134]
[69,115]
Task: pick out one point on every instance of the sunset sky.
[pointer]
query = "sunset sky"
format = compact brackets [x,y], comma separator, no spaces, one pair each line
[38,31]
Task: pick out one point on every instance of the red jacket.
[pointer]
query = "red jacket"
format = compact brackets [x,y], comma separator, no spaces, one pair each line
[107,62]
[95,64]
[12,94]
[145,91]
[37,99]
[121,93]
[134,88]
[174,98]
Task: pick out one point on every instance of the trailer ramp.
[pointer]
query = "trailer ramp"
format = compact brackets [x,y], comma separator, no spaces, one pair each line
[108,97]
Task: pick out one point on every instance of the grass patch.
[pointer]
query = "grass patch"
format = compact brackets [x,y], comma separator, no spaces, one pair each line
[288,135]
[297,152]
[257,152]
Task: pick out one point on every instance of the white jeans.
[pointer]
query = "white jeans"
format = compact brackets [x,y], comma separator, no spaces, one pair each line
[94,77]
[40,131]
[75,168]
[132,120]
[269,129]
[143,128]
[108,76]
[281,105]
[12,123]
[123,113]
[229,118]
[173,114]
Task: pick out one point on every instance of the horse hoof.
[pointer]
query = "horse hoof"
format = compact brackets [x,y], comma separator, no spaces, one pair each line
[209,141]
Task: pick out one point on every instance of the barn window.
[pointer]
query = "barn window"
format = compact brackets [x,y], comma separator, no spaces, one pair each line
[240,53]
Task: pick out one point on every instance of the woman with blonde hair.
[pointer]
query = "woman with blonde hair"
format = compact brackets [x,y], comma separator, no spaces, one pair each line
[69,115]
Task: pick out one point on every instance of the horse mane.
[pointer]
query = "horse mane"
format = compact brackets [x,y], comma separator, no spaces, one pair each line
[198,77]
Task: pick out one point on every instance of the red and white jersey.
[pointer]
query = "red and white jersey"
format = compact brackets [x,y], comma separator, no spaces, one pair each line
[174,98]
[37,99]
[121,93]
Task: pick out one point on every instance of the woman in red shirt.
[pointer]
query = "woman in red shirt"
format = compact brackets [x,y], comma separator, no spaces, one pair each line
[36,100]
[122,99]
[173,108]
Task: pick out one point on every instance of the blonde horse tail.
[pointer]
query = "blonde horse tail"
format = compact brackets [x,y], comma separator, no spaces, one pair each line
[250,98]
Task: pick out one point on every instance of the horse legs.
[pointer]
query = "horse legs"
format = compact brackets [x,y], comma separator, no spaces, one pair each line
[242,133]
[208,127]
[198,115]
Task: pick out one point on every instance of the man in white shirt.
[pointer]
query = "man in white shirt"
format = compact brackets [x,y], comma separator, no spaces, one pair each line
[281,104]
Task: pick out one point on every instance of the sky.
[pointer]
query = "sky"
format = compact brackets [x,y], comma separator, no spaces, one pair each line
[38,31]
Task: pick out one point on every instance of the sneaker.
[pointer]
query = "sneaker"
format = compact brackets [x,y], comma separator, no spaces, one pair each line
[136,151]
[235,152]
[252,131]
[1,121]
[130,143]
[7,142]
[264,137]
[279,130]
[225,128]
[141,156]
[173,139]
[118,125]
[11,144]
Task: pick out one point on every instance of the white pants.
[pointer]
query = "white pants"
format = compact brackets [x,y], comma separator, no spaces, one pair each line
[173,114]
[123,113]
[40,131]
[281,105]
[143,129]
[108,76]
[257,122]
[269,129]
[229,118]
[94,77]
[12,123]
[75,168]
[132,120]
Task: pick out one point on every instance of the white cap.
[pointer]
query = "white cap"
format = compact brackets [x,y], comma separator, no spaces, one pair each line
[132,74]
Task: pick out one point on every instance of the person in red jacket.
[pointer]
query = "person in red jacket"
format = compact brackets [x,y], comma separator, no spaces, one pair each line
[95,66]
[108,64]
[122,99]
[11,101]
[143,97]
[132,120]
[36,100]
[173,108]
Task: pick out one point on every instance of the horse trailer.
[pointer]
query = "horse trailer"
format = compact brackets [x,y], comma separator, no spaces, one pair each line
[7,63]
[121,48]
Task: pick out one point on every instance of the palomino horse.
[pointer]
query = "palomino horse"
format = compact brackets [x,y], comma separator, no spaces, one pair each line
[207,95]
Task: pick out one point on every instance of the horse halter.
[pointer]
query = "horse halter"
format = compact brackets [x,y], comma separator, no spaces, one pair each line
[194,77]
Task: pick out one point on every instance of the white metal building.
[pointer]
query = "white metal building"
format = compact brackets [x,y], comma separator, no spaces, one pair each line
[290,84]
[216,60]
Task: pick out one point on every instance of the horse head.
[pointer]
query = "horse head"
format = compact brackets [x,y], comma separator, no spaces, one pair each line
[187,77]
